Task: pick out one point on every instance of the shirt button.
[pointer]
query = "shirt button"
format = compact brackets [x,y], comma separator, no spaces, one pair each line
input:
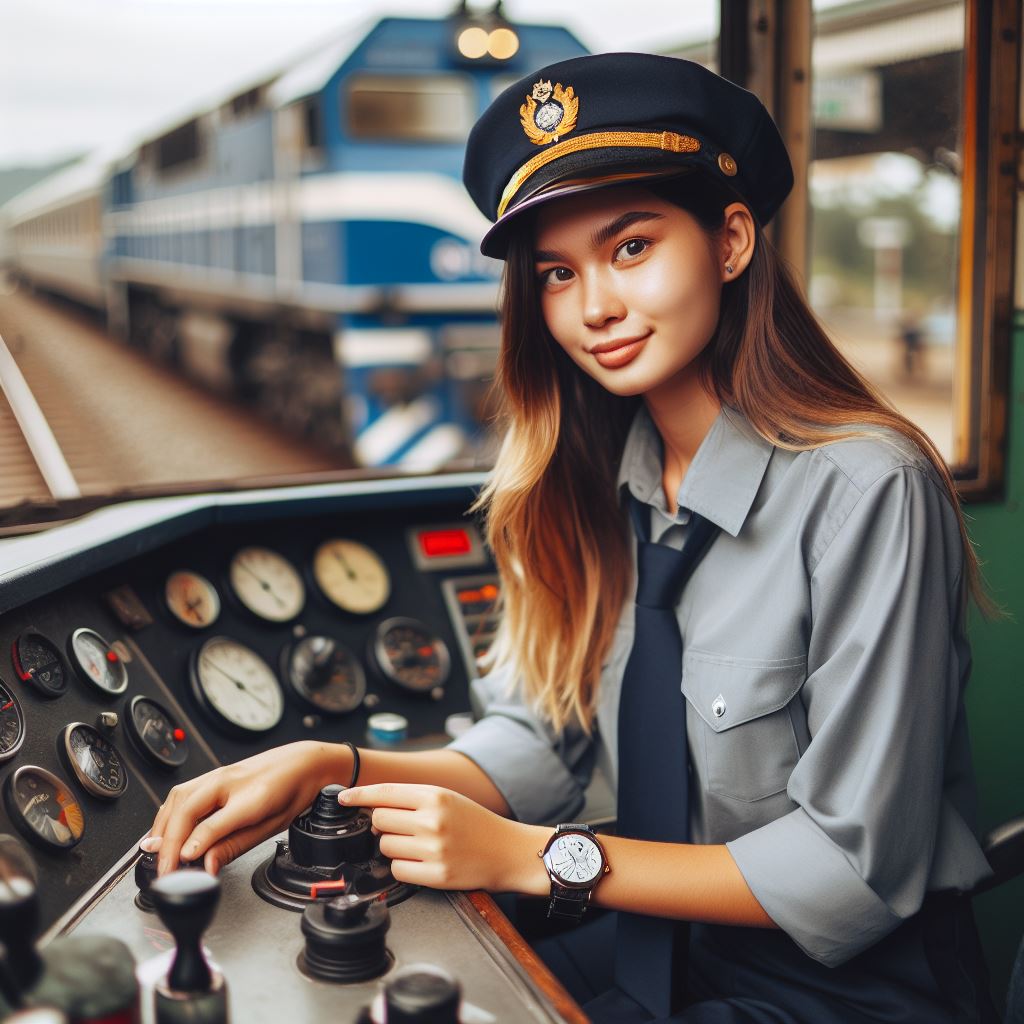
[718,706]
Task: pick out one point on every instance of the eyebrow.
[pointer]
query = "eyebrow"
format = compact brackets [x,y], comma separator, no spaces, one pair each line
[604,233]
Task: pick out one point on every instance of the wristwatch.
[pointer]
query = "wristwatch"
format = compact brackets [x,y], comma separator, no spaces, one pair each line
[576,863]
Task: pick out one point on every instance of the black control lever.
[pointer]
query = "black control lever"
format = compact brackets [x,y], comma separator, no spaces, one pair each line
[19,918]
[185,902]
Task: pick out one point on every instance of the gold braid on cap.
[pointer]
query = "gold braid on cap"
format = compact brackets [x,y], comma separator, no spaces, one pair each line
[669,142]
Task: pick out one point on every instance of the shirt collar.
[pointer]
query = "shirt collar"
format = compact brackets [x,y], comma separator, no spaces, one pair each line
[723,478]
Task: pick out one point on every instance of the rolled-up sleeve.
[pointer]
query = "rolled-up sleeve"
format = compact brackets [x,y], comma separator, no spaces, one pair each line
[542,775]
[883,701]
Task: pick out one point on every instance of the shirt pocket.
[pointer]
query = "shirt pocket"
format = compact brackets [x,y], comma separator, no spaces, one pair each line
[750,746]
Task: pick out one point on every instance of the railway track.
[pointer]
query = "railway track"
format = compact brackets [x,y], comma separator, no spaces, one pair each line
[82,416]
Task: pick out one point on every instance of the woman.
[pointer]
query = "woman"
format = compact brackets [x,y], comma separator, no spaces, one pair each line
[779,697]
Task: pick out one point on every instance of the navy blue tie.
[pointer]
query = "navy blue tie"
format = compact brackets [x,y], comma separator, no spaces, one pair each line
[653,790]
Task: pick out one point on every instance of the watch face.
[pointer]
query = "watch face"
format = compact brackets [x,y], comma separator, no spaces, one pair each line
[575,858]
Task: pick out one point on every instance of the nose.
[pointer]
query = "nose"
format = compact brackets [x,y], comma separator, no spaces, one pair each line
[602,303]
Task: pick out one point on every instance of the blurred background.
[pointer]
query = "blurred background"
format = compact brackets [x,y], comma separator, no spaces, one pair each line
[235,248]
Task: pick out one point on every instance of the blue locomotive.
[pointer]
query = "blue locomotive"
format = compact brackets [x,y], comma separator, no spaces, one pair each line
[307,243]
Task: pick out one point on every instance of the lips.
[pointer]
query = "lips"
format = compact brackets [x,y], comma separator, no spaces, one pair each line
[619,352]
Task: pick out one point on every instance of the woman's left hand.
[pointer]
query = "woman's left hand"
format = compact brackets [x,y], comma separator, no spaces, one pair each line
[441,839]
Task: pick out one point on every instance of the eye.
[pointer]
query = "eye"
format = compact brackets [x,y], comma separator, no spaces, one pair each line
[555,275]
[632,248]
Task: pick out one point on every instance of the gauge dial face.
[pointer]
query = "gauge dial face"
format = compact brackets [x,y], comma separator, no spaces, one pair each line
[267,584]
[43,808]
[156,733]
[12,723]
[575,858]
[97,662]
[192,599]
[408,653]
[94,760]
[236,686]
[351,575]
[325,675]
[39,663]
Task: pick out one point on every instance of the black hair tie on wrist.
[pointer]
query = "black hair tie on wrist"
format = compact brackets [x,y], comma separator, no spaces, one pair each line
[355,761]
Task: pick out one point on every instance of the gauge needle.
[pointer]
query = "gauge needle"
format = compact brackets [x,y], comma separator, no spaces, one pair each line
[344,562]
[263,583]
[238,683]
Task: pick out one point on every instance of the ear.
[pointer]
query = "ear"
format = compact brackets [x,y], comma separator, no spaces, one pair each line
[737,241]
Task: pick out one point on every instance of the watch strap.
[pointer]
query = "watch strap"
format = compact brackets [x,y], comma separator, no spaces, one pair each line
[568,903]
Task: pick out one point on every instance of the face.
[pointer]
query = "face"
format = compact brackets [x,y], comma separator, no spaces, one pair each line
[630,287]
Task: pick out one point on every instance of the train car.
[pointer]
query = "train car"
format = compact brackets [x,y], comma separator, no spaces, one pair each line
[307,243]
[154,639]
[53,232]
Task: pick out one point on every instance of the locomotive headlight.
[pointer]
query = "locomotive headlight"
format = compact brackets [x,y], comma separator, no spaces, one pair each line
[473,42]
[502,44]
[476,42]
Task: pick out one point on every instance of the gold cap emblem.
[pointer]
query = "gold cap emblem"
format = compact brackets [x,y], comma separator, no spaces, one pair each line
[549,113]
[727,165]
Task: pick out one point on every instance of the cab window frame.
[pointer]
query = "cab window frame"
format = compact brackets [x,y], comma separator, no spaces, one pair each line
[765,45]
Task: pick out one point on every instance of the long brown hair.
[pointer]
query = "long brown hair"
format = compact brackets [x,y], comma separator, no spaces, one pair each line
[553,518]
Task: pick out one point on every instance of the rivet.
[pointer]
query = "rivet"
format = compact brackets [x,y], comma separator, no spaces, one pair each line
[727,165]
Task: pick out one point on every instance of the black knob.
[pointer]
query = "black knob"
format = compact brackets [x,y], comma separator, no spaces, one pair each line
[186,901]
[19,913]
[422,994]
[326,812]
[89,977]
[345,938]
[329,834]
[145,876]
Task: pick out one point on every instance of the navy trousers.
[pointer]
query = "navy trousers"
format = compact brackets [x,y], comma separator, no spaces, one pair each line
[928,971]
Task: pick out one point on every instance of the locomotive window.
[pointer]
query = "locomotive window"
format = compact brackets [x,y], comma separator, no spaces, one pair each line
[911,240]
[178,147]
[434,109]
[885,195]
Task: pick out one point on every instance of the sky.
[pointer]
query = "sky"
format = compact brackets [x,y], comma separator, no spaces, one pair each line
[79,75]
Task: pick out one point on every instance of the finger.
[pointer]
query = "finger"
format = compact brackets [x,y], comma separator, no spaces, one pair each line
[391,819]
[239,812]
[225,850]
[196,805]
[418,873]
[405,848]
[388,794]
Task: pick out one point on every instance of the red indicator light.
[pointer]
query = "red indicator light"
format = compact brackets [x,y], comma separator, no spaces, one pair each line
[444,543]
[425,652]
[489,592]
[470,596]
[179,734]
[111,656]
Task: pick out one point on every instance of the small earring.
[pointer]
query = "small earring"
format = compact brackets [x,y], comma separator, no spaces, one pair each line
[729,268]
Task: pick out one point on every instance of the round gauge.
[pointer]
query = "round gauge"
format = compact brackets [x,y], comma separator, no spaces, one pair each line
[97,662]
[12,723]
[324,674]
[155,733]
[236,686]
[192,599]
[39,663]
[94,761]
[267,584]
[43,809]
[407,653]
[351,575]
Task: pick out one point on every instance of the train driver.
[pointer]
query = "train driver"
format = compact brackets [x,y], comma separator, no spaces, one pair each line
[732,574]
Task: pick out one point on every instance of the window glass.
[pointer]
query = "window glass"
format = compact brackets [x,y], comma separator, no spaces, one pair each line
[400,108]
[885,189]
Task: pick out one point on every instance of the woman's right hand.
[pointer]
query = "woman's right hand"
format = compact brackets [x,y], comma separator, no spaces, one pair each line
[220,815]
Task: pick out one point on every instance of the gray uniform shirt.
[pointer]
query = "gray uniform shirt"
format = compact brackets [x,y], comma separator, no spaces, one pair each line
[824,661]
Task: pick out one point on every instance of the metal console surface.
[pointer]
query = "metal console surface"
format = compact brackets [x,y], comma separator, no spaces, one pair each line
[257,947]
